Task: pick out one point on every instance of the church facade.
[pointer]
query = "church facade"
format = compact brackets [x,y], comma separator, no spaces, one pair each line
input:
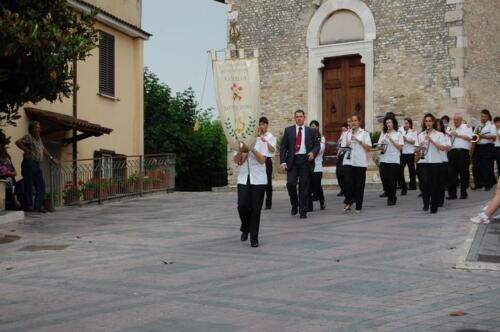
[335,58]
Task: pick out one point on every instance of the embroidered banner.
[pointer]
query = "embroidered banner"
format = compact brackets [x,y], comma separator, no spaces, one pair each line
[237,91]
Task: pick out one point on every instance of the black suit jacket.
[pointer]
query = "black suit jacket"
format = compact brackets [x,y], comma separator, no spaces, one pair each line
[287,149]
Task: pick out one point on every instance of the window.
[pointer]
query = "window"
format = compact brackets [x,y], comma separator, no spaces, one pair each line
[107,64]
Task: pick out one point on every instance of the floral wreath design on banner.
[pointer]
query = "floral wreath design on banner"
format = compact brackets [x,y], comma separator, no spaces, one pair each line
[236,90]
[240,131]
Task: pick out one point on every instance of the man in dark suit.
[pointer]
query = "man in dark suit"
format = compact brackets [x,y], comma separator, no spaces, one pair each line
[299,147]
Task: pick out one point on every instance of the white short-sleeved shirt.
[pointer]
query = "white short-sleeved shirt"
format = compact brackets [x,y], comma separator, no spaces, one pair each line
[257,170]
[343,139]
[497,141]
[358,154]
[444,154]
[488,129]
[272,140]
[318,161]
[460,143]
[392,155]
[413,136]
[433,155]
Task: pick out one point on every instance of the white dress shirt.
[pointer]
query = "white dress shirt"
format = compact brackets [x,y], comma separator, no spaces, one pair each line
[460,143]
[257,170]
[433,155]
[392,155]
[343,139]
[318,161]
[272,141]
[488,129]
[444,154]
[302,149]
[413,136]
[358,154]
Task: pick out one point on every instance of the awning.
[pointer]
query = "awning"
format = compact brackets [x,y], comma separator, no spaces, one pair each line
[56,125]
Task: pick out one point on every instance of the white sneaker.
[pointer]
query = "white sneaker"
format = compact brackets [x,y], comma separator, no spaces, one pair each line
[480,219]
[358,211]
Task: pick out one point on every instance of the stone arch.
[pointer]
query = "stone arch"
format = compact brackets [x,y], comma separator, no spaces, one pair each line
[331,6]
[318,53]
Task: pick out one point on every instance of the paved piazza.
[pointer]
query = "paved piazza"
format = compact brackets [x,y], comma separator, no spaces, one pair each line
[175,263]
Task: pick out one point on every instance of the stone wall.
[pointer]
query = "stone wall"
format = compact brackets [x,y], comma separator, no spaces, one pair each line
[482,56]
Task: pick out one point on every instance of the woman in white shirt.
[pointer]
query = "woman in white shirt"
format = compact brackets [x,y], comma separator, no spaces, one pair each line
[430,141]
[252,183]
[355,164]
[444,178]
[390,145]
[408,156]
[316,190]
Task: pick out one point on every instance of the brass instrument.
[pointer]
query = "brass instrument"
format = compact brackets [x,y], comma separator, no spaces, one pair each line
[384,144]
[423,148]
[475,139]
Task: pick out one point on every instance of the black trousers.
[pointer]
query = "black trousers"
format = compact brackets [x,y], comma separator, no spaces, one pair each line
[339,171]
[250,199]
[497,158]
[389,174]
[315,189]
[443,181]
[355,178]
[407,159]
[429,176]
[299,173]
[269,187]
[458,171]
[483,165]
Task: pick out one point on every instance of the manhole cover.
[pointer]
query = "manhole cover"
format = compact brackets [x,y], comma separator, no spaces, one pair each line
[7,238]
[43,248]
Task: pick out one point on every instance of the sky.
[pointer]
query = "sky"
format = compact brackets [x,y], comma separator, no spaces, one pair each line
[183,31]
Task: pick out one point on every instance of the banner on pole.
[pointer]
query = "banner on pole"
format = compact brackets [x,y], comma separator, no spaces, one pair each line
[237,91]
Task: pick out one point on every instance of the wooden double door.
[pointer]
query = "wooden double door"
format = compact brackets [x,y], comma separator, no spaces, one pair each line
[343,96]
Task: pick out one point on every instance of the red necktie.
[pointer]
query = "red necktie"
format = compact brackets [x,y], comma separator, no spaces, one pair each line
[298,140]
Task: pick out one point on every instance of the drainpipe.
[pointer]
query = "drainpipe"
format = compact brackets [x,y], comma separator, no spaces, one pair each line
[75,113]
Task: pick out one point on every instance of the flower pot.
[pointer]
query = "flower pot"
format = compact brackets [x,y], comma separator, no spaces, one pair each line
[48,204]
[71,200]
[88,194]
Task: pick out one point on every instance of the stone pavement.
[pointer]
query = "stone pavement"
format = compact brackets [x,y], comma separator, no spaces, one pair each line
[175,263]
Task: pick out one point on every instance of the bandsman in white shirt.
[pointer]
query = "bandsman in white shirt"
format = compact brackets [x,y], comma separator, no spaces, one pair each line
[496,120]
[430,142]
[316,189]
[252,182]
[483,162]
[444,160]
[408,156]
[270,142]
[355,164]
[390,145]
[339,170]
[458,157]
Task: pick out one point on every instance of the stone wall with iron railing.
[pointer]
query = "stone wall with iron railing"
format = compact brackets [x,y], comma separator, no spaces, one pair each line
[107,177]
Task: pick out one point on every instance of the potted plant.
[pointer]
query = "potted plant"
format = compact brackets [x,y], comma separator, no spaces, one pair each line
[147,183]
[72,192]
[113,185]
[88,190]
[101,188]
[49,200]
[133,183]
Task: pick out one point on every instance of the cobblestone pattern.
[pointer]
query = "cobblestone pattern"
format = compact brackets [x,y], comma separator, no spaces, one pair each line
[482,56]
[175,263]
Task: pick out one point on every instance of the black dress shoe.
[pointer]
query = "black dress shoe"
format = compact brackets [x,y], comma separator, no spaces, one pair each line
[425,208]
[322,205]
[403,192]
[451,197]
[383,195]
[268,207]
[341,193]
[254,243]
[463,196]
[295,210]
[487,188]
[419,195]
[391,202]
[244,237]
[412,188]
[477,188]
[440,204]
[434,210]
[303,216]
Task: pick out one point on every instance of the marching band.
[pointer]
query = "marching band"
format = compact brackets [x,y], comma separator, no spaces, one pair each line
[439,156]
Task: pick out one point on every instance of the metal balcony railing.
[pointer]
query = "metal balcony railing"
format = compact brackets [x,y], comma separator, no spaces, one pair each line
[107,177]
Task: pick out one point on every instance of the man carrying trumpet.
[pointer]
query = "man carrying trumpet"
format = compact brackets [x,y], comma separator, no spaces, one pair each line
[482,158]
[458,157]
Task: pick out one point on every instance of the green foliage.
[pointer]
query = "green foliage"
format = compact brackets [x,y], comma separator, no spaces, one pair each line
[170,121]
[374,136]
[38,42]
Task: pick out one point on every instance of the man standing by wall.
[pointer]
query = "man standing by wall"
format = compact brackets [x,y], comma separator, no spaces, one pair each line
[270,141]
[299,147]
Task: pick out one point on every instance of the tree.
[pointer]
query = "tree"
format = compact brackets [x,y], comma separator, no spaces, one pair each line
[169,126]
[39,40]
